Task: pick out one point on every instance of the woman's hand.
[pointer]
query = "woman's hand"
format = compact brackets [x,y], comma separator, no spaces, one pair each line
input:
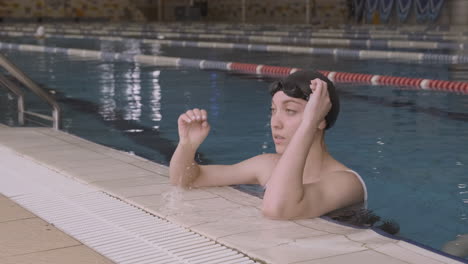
[193,127]
[319,104]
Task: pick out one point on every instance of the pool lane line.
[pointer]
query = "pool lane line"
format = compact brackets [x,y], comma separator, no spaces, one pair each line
[368,43]
[407,57]
[343,42]
[382,36]
[376,37]
[263,27]
[247,68]
[377,34]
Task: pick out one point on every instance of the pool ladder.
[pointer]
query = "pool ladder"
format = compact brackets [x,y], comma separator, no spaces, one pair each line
[29,84]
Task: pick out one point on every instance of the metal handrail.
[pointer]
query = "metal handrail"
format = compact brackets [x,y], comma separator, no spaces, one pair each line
[20,76]
[19,94]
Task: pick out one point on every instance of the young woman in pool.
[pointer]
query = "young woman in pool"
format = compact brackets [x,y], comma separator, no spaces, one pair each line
[301,180]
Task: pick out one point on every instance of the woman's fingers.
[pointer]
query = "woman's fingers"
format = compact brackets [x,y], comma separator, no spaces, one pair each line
[195,115]
[204,114]
[198,115]
[186,118]
[313,84]
[191,115]
[318,85]
[315,87]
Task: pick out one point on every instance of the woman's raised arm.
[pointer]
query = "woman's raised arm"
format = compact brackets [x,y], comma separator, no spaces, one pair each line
[185,172]
[193,129]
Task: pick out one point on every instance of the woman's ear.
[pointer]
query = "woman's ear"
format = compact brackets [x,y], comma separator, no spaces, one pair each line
[322,125]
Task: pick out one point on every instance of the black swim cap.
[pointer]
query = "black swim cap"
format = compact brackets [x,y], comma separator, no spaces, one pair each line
[297,85]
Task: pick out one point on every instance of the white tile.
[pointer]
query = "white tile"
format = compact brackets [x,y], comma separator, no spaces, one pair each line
[152,166]
[122,156]
[308,249]
[22,133]
[118,168]
[44,149]
[189,195]
[67,156]
[65,137]
[174,205]
[104,150]
[192,218]
[236,196]
[96,163]
[151,202]
[132,182]
[227,226]
[66,165]
[370,238]
[19,141]
[15,133]
[134,191]
[327,226]
[362,257]
[404,254]
[216,203]
[46,130]
[262,239]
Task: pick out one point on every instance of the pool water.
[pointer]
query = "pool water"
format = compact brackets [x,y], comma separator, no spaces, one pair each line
[409,146]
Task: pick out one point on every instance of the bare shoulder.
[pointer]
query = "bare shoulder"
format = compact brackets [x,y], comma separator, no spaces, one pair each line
[347,182]
[336,189]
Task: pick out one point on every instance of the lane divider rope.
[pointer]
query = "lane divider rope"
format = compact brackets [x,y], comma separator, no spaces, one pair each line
[408,57]
[402,34]
[344,40]
[247,68]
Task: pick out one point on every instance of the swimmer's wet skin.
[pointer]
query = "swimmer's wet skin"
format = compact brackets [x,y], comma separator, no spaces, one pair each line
[303,180]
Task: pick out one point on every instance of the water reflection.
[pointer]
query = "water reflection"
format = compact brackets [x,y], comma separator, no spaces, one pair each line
[132,46]
[40,42]
[155,100]
[155,49]
[107,104]
[132,80]
[463,191]
[107,46]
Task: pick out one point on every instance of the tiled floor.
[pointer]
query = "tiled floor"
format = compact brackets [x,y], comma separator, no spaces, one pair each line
[25,238]
[224,214]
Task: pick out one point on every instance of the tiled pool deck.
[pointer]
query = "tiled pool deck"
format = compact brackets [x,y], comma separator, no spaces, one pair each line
[25,238]
[223,214]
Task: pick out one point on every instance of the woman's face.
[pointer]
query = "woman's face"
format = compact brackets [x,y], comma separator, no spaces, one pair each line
[286,116]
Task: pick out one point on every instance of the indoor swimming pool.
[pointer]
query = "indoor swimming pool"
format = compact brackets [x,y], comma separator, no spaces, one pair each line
[408,145]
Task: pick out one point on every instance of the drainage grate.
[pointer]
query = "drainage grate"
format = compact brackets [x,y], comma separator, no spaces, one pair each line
[117,230]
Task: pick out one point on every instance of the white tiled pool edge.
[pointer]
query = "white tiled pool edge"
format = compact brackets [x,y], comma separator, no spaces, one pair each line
[222,214]
[121,232]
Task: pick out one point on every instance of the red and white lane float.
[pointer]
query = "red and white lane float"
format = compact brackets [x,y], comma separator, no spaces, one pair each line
[346,77]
